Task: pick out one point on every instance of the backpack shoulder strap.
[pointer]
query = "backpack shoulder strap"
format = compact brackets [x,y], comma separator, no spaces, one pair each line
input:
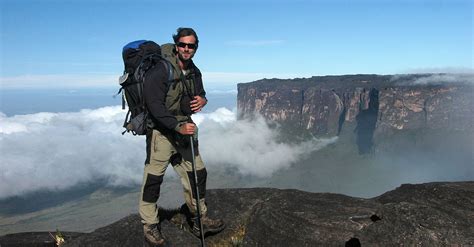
[170,71]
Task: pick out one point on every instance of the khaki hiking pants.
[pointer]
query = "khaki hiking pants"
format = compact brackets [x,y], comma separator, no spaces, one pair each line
[160,153]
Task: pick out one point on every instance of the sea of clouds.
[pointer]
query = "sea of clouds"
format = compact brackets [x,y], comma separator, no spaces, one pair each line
[56,151]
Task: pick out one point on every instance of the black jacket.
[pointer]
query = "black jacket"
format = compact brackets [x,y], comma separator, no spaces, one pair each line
[156,87]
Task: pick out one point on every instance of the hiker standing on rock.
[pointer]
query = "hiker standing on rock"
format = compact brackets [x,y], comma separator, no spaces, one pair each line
[170,106]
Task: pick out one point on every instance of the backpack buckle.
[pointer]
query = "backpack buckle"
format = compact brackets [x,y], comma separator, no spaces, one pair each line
[123,78]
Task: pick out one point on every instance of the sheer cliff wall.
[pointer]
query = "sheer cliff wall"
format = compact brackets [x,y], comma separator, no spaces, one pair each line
[370,105]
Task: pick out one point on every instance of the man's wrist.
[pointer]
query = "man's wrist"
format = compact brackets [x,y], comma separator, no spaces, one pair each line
[178,127]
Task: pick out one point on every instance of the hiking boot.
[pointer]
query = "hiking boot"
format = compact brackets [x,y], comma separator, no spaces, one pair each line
[152,233]
[210,226]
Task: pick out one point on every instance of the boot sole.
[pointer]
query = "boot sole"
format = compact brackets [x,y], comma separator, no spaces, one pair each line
[146,243]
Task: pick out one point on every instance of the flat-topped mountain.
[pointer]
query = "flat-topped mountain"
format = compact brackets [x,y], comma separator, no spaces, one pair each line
[373,106]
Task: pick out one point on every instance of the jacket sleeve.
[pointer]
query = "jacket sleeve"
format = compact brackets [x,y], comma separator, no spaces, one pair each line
[155,90]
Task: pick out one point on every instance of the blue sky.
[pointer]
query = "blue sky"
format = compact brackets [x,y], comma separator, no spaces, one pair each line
[77,43]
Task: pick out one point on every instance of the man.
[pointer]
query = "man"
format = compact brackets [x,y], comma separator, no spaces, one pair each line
[170,105]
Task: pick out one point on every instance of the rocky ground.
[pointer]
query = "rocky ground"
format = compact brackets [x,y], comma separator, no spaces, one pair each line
[432,214]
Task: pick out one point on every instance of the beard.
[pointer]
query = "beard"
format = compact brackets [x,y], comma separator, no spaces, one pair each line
[185,56]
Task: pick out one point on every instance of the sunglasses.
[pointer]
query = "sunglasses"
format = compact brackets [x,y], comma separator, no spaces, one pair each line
[190,46]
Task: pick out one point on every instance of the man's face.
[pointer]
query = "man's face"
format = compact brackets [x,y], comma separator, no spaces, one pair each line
[186,47]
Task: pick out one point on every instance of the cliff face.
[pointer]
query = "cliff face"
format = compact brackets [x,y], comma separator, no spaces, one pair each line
[439,107]
[376,105]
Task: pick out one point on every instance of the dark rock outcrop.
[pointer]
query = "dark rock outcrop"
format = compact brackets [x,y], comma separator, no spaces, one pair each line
[432,214]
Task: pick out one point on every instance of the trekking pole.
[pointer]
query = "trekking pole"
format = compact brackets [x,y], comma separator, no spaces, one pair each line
[196,190]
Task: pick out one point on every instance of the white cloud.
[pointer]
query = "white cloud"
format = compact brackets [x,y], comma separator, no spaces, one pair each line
[211,79]
[61,150]
[222,116]
[447,70]
[434,79]
[445,78]
[250,146]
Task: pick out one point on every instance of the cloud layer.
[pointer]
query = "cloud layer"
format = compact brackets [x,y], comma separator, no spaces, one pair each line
[59,150]
[214,79]
[435,79]
[251,146]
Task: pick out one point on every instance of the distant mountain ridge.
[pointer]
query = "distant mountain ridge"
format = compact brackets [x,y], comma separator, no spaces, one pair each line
[430,214]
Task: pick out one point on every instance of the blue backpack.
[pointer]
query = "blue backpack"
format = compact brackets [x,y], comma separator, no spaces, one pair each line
[138,57]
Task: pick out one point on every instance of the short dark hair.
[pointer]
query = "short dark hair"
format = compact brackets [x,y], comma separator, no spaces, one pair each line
[184,31]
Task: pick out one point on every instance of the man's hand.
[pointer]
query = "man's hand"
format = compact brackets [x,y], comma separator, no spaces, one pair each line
[198,103]
[187,129]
